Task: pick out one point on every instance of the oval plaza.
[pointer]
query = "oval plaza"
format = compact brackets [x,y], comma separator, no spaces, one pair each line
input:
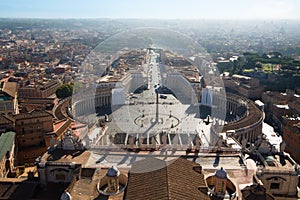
[134,90]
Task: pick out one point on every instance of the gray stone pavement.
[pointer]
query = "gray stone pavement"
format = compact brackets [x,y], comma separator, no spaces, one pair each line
[138,118]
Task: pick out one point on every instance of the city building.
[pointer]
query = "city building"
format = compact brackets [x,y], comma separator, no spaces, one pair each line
[63,163]
[276,170]
[8,98]
[31,129]
[246,86]
[291,136]
[77,161]
[29,104]
[279,105]
[6,124]
[39,89]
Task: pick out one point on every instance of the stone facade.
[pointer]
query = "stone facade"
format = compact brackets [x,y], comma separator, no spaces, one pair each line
[31,129]
[291,136]
[39,89]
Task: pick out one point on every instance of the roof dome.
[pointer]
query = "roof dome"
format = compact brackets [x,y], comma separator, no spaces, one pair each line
[221,173]
[113,172]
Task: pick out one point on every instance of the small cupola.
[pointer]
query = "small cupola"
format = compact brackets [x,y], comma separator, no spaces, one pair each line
[112,179]
[220,182]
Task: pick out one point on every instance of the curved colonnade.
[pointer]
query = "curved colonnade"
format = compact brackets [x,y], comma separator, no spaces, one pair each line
[247,125]
[60,111]
[87,103]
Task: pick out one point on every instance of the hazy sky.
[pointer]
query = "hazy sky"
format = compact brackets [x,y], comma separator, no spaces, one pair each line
[165,9]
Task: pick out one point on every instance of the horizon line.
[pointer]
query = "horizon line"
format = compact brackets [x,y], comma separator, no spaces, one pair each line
[142,18]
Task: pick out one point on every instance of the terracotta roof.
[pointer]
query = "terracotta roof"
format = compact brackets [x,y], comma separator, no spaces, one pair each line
[156,179]
[33,114]
[10,88]
[58,124]
[86,187]
[4,120]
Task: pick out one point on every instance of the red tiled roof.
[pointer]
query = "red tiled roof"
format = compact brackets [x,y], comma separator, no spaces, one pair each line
[76,125]
[10,88]
[57,125]
[156,179]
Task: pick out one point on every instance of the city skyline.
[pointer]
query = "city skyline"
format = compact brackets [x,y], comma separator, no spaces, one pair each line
[175,9]
[163,108]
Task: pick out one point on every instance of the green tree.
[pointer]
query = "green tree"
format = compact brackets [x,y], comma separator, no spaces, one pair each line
[64,91]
